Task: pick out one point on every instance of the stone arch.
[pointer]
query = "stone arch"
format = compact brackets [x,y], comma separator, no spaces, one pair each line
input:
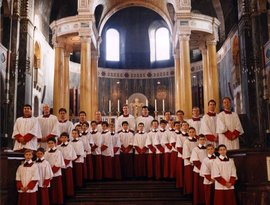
[220,16]
[127,4]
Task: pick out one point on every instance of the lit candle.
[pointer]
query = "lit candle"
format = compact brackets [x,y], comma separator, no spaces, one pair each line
[110,105]
[127,101]
[155,104]
[118,105]
[146,102]
[163,105]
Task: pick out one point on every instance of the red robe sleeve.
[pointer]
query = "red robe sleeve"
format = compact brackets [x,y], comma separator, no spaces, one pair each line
[115,149]
[55,169]
[144,149]
[18,137]
[168,146]
[221,180]
[103,147]
[93,148]
[66,161]
[211,138]
[174,144]
[160,148]
[28,137]
[46,182]
[19,185]
[153,149]
[236,133]
[208,176]
[128,149]
[50,136]
[138,149]
[232,180]
[197,164]
[229,135]
[123,148]
[180,149]
[32,184]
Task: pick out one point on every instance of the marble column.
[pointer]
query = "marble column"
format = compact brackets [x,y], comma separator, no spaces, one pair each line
[94,83]
[85,81]
[205,77]
[66,81]
[177,79]
[213,85]
[185,79]
[58,77]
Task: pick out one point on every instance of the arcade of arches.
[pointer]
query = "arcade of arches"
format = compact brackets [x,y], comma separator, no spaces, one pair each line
[58,52]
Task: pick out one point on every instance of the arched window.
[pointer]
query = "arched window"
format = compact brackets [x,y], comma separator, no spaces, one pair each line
[162,44]
[112,45]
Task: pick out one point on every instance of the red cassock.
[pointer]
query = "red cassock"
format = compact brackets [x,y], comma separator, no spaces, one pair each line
[127,164]
[198,189]
[43,196]
[107,167]
[166,164]
[140,165]
[209,194]
[117,167]
[89,164]
[173,161]
[27,198]
[158,166]
[179,173]
[97,162]
[78,174]
[188,179]
[56,190]
[150,165]
[224,197]
[68,183]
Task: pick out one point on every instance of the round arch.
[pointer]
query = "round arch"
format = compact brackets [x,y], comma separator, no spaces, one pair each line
[128,4]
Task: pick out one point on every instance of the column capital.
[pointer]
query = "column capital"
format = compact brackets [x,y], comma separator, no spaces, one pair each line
[58,44]
[85,39]
[184,36]
[211,42]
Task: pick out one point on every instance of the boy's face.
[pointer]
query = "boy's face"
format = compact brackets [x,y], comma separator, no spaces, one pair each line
[62,114]
[222,151]
[171,124]
[112,128]
[82,117]
[28,156]
[185,127]
[155,125]
[27,111]
[84,127]
[180,116]
[125,126]
[74,134]
[212,107]
[104,127]
[177,126]
[94,126]
[201,140]
[196,112]
[167,116]
[51,144]
[39,154]
[140,127]
[210,150]
[163,125]
[79,128]
[63,139]
[191,133]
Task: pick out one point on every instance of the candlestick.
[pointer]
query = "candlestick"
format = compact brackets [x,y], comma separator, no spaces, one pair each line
[163,105]
[126,101]
[155,104]
[110,105]
[146,102]
[118,105]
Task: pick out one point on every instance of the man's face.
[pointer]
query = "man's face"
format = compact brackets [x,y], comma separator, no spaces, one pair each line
[167,116]
[144,111]
[226,104]
[212,107]
[125,110]
[46,109]
[180,116]
[196,112]
[98,116]
[82,117]
[62,115]
[27,111]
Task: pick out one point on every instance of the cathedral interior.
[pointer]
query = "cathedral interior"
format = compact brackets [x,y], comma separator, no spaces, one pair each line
[169,54]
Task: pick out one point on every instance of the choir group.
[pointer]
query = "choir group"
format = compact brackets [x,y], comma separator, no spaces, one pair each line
[68,155]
